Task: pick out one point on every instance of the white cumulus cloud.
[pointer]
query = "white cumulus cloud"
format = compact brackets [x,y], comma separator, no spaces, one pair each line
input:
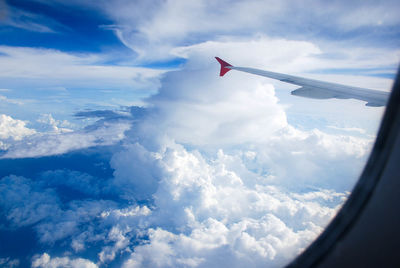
[46,261]
[14,129]
[62,140]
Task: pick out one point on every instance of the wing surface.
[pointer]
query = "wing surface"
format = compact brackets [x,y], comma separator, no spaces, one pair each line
[316,89]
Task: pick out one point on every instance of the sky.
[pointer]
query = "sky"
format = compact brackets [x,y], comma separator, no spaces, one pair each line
[120,146]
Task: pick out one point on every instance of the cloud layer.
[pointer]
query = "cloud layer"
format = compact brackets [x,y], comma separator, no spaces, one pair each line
[49,68]
[175,23]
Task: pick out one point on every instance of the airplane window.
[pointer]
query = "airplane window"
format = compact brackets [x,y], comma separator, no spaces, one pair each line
[191,133]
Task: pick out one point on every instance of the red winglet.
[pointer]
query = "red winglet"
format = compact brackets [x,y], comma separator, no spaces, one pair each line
[224,64]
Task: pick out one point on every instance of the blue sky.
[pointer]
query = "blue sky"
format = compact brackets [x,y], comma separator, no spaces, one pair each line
[44,25]
[121,147]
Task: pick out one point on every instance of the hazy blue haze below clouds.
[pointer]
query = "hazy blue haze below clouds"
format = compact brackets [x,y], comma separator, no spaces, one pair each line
[121,146]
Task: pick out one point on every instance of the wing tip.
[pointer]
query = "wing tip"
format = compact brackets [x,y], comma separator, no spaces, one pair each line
[224,64]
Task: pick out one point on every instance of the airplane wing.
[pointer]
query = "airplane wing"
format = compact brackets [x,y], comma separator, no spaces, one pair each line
[316,89]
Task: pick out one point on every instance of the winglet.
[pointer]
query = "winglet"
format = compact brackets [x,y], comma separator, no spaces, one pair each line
[224,64]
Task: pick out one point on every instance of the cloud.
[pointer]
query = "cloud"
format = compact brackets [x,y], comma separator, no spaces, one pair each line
[132,113]
[370,15]
[349,129]
[57,205]
[9,263]
[74,180]
[260,200]
[54,143]
[13,128]
[52,125]
[23,204]
[136,172]
[45,260]
[173,24]
[203,209]
[54,138]
[49,68]
[196,106]
[11,101]
[23,19]
[74,220]
[206,211]
[213,119]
